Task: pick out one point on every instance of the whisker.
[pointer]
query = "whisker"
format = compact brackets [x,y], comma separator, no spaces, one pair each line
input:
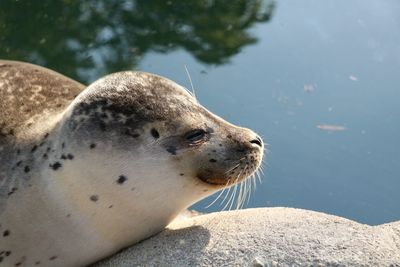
[246,187]
[259,176]
[233,197]
[240,195]
[215,200]
[226,195]
[250,189]
[235,167]
[242,192]
[233,192]
[230,197]
[193,93]
[254,180]
[246,191]
[238,199]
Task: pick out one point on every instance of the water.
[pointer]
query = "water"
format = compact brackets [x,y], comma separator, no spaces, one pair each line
[282,68]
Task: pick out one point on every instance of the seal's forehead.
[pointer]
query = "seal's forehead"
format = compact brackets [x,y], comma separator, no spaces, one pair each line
[134,84]
[143,96]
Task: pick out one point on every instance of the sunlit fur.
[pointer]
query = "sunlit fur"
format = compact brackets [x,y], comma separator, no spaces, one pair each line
[73,205]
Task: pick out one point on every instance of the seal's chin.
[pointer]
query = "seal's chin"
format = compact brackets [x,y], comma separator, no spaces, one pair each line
[213,180]
[226,178]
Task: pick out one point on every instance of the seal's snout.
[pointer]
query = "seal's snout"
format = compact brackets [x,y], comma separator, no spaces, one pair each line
[238,155]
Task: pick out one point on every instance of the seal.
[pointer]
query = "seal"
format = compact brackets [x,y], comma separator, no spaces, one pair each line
[87,171]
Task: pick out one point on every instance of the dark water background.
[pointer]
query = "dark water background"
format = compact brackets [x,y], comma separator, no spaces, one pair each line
[282,68]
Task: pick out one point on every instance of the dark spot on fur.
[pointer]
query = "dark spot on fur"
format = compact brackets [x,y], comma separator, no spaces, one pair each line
[181,174]
[18,263]
[68,156]
[34,148]
[229,136]
[6,233]
[45,156]
[18,163]
[172,150]
[56,165]
[8,253]
[46,135]
[12,191]
[63,145]
[110,207]
[213,160]
[27,169]
[155,133]
[92,146]
[18,151]
[94,198]
[53,258]
[129,133]
[48,149]
[121,179]
[42,143]
[68,215]
[102,126]
[1,259]
[37,263]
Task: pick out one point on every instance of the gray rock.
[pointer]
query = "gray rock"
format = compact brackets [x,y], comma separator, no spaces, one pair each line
[266,237]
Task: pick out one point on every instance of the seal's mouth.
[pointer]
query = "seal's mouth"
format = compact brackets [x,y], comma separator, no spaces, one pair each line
[213,180]
[232,173]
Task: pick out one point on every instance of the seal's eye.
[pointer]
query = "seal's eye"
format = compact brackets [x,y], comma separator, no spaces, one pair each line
[196,136]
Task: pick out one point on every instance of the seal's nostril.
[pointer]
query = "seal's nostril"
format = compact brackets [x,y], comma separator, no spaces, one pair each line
[257,141]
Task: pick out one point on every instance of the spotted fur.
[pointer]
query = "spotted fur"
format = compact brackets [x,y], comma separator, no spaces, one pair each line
[87,171]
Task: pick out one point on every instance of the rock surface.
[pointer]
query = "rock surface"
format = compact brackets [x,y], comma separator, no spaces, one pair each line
[266,237]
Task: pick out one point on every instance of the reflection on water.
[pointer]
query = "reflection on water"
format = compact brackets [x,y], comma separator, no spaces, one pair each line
[87,39]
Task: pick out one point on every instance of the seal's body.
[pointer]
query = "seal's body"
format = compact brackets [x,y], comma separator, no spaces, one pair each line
[85,172]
